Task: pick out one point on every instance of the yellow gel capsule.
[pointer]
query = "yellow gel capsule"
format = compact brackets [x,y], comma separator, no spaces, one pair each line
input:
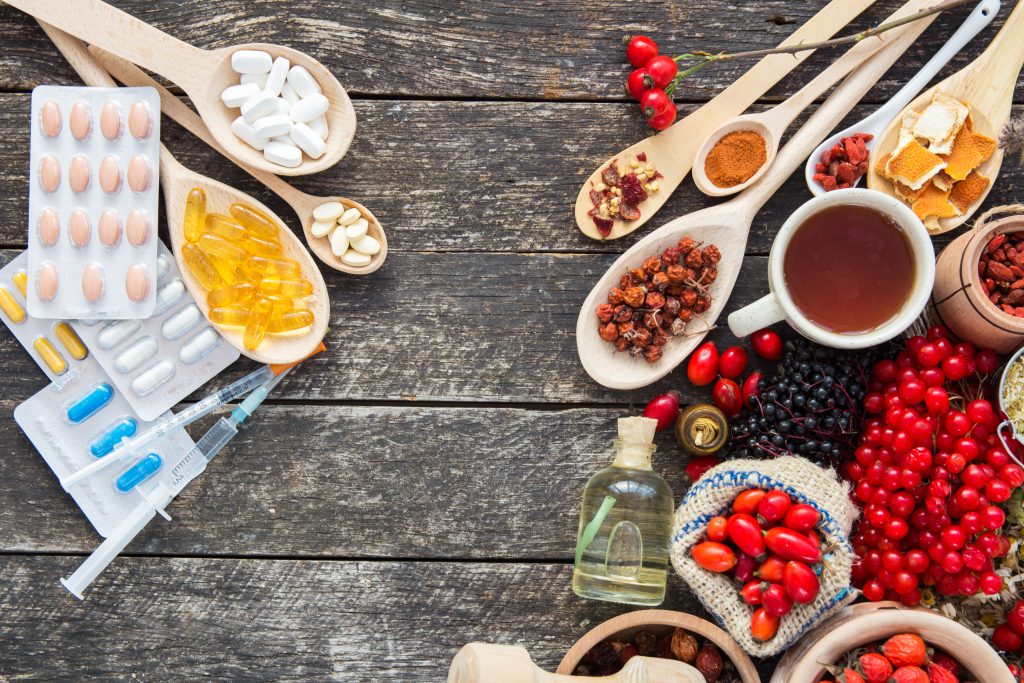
[234,316]
[256,326]
[258,245]
[200,266]
[11,308]
[254,220]
[71,341]
[50,355]
[290,320]
[20,280]
[222,225]
[235,294]
[269,265]
[291,287]
[218,246]
[195,214]
[281,303]
[226,269]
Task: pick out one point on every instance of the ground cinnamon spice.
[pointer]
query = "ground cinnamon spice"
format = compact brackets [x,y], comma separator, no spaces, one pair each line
[735,158]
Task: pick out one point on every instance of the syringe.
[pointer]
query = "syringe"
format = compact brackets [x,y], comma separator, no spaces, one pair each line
[191,466]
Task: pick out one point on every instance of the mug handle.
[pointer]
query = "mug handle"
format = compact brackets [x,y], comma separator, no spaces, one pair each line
[764,312]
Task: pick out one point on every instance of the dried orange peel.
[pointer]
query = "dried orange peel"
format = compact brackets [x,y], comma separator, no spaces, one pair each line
[969,190]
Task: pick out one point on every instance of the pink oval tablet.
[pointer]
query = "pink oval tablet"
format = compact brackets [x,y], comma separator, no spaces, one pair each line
[81,120]
[46,281]
[78,228]
[49,173]
[136,228]
[78,175]
[49,119]
[110,175]
[49,227]
[136,283]
[139,121]
[110,121]
[138,174]
[110,228]
[92,282]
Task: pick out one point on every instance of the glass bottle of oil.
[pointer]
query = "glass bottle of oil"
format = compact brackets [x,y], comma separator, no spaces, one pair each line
[625,525]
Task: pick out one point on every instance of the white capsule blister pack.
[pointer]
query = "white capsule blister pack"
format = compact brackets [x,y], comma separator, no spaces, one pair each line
[159,361]
[93,193]
[75,423]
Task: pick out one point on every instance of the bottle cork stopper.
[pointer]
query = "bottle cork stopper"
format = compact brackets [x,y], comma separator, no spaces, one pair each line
[633,430]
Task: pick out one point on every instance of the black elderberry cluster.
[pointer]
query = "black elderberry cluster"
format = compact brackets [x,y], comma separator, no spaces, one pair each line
[809,408]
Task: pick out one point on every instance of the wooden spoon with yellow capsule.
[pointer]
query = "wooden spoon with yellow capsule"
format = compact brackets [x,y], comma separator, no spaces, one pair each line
[303,204]
[197,270]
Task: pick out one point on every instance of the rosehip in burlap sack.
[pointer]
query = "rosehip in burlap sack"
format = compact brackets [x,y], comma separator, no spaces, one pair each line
[805,483]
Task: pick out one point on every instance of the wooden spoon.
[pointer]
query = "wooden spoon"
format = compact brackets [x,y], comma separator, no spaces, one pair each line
[484,663]
[672,151]
[726,225]
[772,124]
[202,74]
[302,203]
[177,181]
[987,86]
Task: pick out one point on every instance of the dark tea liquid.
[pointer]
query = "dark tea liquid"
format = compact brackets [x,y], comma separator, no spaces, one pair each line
[849,269]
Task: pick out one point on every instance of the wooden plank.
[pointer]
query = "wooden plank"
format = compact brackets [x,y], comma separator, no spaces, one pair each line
[185,619]
[532,50]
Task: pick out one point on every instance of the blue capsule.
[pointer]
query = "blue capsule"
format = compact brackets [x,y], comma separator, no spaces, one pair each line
[139,472]
[108,440]
[90,404]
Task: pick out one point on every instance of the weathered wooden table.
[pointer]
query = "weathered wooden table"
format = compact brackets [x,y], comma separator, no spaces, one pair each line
[417,487]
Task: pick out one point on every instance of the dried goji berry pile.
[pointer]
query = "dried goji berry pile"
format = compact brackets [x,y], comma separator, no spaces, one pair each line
[656,301]
[1001,269]
[844,164]
[904,658]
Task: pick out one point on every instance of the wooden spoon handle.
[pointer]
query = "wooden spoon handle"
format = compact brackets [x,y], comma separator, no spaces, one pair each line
[97,22]
[77,54]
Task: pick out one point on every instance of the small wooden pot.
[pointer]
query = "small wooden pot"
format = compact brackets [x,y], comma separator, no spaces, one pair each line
[659,621]
[960,302]
[864,623]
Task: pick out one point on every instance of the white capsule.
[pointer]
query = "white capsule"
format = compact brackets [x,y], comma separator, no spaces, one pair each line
[339,242]
[270,126]
[308,141]
[328,211]
[181,322]
[168,295]
[283,139]
[350,216]
[163,265]
[258,79]
[357,229]
[283,107]
[115,333]
[260,104]
[321,228]
[303,82]
[147,382]
[236,95]
[136,354]
[309,108]
[366,245]
[198,346]
[278,75]
[355,259]
[251,61]
[247,134]
[288,94]
[319,126]
[282,154]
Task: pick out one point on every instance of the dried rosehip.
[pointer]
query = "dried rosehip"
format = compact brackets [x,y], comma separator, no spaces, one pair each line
[709,663]
[684,646]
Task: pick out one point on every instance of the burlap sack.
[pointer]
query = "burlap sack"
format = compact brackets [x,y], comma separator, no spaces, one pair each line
[804,482]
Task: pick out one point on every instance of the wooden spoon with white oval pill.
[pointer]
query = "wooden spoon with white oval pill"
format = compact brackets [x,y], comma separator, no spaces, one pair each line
[303,204]
[177,181]
[202,74]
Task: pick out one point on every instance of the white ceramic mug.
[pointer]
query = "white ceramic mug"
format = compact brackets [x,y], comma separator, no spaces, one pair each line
[778,305]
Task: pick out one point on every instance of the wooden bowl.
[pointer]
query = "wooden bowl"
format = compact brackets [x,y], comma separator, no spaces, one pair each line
[868,622]
[659,621]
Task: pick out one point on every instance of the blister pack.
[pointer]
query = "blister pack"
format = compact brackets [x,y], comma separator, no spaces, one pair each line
[93,193]
[158,361]
[85,418]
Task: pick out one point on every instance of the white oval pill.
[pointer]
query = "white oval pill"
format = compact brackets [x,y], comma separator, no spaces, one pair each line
[110,121]
[136,354]
[47,281]
[258,79]
[235,96]
[321,228]
[136,282]
[288,94]
[357,229]
[328,211]
[81,120]
[269,126]
[319,126]
[302,82]
[110,228]
[181,322]
[309,108]
[50,119]
[110,175]
[251,61]
[49,173]
[79,229]
[136,228]
[138,173]
[308,141]
[168,295]
[282,154]
[92,282]
[366,245]
[339,241]
[259,105]
[283,106]
[247,134]
[148,381]
[350,216]
[116,332]
[355,259]
[49,227]
[199,345]
[139,121]
[278,75]
[163,264]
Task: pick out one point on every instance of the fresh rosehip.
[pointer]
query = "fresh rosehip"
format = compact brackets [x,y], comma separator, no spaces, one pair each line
[662,69]
[850,676]
[763,626]
[774,506]
[716,530]
[909,674]
[745,566]
[714,557]
[702,368]
[772,570]
[664,120]
[767,344]
[750,389]
[776,602]
[801,517]
[636,84]
[747,501]
[876,668]
[641,50]
[655,102]
[664,408]
[727,396]
[905,649]
[733,362]
[752,592]
[801,582]
[792,545]
[746,534]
